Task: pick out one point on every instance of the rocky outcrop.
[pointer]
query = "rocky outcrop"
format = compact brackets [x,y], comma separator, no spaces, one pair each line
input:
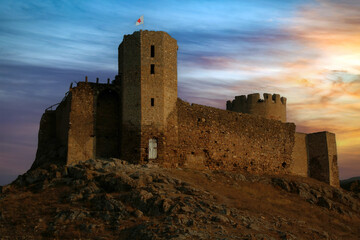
[111,199]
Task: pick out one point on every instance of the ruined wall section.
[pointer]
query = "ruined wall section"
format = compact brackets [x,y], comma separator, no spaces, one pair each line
[46,139]
[94,122]
[323,157]
[107,123]
[62,123]
[300,156]
[333,159]
[53,134]
[271,107]
[81,140]
[218,139]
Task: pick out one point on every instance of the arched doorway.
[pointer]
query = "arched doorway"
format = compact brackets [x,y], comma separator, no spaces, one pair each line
[107,124]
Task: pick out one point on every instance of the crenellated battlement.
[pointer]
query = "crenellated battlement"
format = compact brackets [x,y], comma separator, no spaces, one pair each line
[255,97]
[272,106]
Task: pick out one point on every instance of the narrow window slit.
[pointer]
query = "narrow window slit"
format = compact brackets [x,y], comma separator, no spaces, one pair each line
[152,51]
[152,102]
[152,69]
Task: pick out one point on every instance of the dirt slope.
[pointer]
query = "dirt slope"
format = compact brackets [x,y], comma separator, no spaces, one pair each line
[111,199]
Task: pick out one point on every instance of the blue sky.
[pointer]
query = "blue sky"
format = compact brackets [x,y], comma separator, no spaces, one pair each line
[307,51]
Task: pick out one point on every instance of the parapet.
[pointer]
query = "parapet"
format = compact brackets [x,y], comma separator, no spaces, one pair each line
[272,106]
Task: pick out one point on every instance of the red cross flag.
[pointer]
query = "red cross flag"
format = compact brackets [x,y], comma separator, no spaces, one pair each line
[140,21]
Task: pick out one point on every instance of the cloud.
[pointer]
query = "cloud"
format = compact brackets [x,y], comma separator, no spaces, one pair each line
[307,51]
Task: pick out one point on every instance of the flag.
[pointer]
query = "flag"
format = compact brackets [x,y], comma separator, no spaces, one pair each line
[140,21]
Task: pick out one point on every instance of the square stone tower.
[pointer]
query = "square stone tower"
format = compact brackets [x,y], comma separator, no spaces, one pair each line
[148,78]
[323,157]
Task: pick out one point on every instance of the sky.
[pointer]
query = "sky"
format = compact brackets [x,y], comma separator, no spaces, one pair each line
[307,51]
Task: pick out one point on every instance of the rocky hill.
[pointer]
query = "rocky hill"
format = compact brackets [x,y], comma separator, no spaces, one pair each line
[111,199]
[351,184]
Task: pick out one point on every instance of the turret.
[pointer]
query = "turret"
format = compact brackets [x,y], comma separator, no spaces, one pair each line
[271,107]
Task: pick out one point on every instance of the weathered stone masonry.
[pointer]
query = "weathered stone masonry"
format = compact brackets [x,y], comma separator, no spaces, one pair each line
[219,139]
[139,118]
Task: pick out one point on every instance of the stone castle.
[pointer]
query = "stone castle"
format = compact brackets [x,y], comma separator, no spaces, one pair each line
[139,118]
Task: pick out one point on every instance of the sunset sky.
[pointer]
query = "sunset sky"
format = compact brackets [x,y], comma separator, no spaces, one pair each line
[307,51]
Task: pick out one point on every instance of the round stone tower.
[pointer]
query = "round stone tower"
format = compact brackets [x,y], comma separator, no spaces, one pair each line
[271,107]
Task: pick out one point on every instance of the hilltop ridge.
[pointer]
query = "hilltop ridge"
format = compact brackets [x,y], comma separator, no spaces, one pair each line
[112,199]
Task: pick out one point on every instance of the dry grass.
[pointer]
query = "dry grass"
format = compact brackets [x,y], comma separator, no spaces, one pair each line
[264,200]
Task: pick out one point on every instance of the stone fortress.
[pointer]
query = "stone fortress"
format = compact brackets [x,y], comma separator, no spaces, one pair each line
[139,118]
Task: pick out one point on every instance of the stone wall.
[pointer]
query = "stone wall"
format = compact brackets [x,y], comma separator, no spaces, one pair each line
[323,157]
[129,67]
[300,155]
[107,123]
[333,157]
[46,139]
[81,139]
[94,121]
[62,121]
[219,139]
[271,107]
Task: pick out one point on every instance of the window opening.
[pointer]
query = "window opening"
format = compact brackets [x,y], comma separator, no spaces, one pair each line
[152,70]
[152,102]
[152,51]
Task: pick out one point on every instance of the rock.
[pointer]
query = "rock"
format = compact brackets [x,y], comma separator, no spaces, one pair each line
[140,232]
[75,197]
[36,175]
[87,227]
[239,177]
[175,208]
[108,166]
[181,219]
[225,211]
[144,195]
[160,178]
[220,218]
[117,205]
[141,179]
[115,182]
[324,202]
[286,236]
[106,216]
[138,213]
[187,190]
[315,193]
[71,215]
[186,209]
[53,167]
[281,183]
[57,174]
[253,226]
[166,205]
[65,172]
[76,172]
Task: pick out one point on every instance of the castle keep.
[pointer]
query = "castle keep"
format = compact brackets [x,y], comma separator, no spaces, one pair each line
[138,117]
